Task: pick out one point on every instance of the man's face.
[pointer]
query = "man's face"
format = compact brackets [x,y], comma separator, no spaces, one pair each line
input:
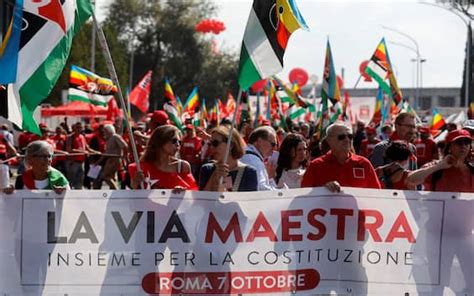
[266,146]
[406,129]
[340,139]
[78,128]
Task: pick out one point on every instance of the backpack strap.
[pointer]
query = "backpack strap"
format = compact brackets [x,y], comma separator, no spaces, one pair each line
[238,178]
[254,154]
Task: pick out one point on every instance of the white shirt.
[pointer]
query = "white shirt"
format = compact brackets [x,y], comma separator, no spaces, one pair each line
[291,178]
[256,160]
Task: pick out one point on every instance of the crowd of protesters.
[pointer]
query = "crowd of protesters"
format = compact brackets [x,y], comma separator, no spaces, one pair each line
[403,156]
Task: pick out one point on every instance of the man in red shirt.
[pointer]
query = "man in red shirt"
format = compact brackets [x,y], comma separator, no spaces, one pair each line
[76,144]
[367,145]
[340,166]
[426,149]
[191,150]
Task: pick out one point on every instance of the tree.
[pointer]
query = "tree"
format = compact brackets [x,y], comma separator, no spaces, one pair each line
[81,56]
[462,6]
[164,40]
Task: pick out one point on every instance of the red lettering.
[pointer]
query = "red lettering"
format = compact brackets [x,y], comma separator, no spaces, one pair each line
[341,220]
[370,227]
[405,232]
[261,222]
[214,227]
[286,225]
[318,225]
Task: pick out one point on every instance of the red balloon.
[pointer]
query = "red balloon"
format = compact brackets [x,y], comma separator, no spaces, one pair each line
[210,25]
[298,75]
[340,82]
[259,86]
[362,67]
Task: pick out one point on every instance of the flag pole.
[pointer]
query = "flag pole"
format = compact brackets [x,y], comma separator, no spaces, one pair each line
[357,82]
[229,138]
[113,75]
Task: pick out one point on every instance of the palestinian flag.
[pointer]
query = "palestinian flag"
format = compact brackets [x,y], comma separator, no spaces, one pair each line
[270,25]
[330,87]
[90,88]
[378,67]
[44,48]
[173,115]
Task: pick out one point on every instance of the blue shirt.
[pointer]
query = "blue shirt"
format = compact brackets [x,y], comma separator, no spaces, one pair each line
[248,183]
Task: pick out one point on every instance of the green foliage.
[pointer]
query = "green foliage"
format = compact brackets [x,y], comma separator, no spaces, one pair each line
[161,36]
[81,56]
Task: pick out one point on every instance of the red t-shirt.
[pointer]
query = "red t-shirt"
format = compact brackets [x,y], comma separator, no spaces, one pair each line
[78,142]
[191,149]
[60,141]
[156,179]
[357,171]
[367,147]
[426,151]
[452,180]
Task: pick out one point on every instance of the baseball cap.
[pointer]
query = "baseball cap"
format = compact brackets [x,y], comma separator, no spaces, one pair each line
[456,135]
[189,126]
[160,117]
[370,130]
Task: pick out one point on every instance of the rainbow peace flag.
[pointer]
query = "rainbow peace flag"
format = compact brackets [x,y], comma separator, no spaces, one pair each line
[169,94]
[192,102]
[437,121]
[89,87]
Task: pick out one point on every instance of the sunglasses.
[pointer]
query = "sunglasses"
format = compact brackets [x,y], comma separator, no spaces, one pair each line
[342,137]
[466,142]
[175,141]
[272,143]
[216,143]
[44,157]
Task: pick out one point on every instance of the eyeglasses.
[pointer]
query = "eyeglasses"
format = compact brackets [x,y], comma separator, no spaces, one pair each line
[342,137]
[175,141]
[44,157]
[216,143]
[412,126]
[272,143]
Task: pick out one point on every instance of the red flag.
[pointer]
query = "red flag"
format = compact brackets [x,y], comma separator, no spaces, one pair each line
[140,94]
[113,110]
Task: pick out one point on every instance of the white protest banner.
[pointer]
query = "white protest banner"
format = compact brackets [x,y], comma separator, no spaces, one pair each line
[305,241]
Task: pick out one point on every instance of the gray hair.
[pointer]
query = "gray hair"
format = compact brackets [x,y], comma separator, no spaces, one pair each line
[261,132]
[35,147]
[110,128]
[330,129]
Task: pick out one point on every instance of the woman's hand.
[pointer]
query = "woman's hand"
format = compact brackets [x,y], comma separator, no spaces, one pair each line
[9,190]
[446,162]
[59,189]
[222,169]
[138,180]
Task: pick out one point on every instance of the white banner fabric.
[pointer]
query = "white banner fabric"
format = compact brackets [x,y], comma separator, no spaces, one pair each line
[291,242]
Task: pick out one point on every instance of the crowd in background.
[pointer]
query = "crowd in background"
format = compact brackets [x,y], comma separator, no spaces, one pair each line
[399,156]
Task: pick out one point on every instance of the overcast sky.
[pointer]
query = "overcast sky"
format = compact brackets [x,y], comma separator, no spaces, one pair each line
[354,29]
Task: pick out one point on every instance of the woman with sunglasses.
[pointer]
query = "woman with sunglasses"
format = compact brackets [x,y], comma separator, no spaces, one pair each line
[161,169]
[236,176]
[454,173]
[39,173]
[292,161]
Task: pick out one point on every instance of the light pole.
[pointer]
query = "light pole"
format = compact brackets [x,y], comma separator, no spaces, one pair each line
[416,80]
[468,50]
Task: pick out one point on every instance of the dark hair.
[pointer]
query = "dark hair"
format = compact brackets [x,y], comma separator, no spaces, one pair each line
[397,151]
[285,159]
[160,136]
